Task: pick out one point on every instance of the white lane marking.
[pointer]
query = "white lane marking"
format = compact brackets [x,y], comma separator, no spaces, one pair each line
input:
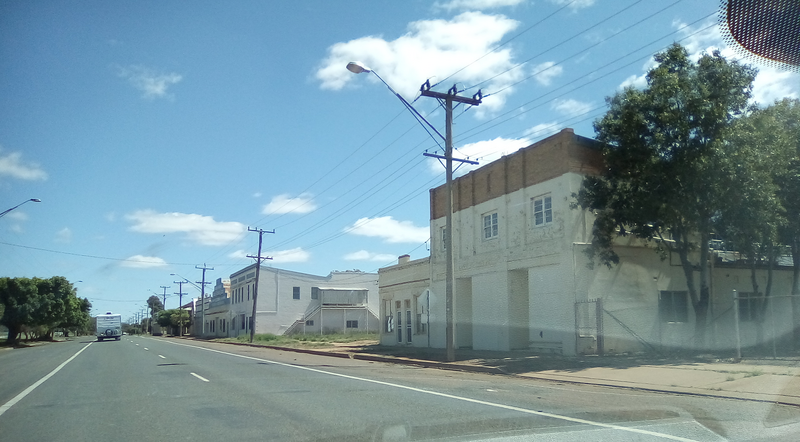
[27,391]
[451,396]
[137,344]
[199,377]
[146,348]
[162,357]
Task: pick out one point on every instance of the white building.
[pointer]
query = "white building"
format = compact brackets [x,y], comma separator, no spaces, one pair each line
[293,302]
[216,315]
[521,275]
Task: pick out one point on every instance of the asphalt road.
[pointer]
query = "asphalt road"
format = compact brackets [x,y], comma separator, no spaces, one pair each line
[170,389]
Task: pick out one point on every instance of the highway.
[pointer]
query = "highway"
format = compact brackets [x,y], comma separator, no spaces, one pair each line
[143,388]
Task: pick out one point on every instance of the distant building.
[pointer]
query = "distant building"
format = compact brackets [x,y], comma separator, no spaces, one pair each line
[217,311]
[294,302]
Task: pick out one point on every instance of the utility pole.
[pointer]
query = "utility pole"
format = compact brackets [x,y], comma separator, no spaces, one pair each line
[164,304]
[180,305]
[448,99]
[258,259]
[203,297]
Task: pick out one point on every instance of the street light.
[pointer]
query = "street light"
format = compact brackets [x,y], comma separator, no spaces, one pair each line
[448,98]
[35,200]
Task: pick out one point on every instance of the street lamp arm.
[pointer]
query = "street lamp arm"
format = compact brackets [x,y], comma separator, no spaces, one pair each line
[35,200]
[358,68]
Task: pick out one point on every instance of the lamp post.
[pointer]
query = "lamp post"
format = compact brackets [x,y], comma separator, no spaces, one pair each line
[35,200]
[448,98]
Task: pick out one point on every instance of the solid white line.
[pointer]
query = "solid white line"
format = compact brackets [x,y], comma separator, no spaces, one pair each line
[27,391]
[199,377]
[450,396]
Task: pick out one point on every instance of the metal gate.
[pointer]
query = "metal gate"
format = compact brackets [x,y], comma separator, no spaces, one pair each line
[589,326]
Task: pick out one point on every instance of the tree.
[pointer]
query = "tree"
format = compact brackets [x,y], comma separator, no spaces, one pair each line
[172,318]
[662,150]
[753,219]
[787,114]
[55,303]
[20,299]
[154,302]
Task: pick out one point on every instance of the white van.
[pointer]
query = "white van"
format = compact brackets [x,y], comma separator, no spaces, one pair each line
[109,326]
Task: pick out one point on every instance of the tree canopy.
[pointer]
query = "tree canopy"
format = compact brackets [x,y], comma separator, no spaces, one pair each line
[663,152]
[43,304]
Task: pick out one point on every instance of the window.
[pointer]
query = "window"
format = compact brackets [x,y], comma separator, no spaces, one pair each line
[352,324]
[314,292]
[248,292]
[748,306]
[387,313]
[310,322]
[408,326]
[490,226]
[542,211]
[295,292]
[242,321]
[673,306]
[444,238]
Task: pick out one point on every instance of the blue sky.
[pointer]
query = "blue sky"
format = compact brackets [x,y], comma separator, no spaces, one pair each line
[156,132]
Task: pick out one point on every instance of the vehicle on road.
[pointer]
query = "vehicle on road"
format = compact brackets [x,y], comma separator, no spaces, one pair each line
[109,326]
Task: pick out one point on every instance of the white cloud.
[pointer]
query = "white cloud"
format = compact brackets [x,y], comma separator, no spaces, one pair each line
[483,151]
[571,107]
[476,4]
[280,204]
[543,130]
[431,49]
[574,4]
[17,215]
[363,255]
[544,73]
[11,165]
[143,262]
[198,228]
[390,230]
[292,255]
[64,235]
[634,81]
[152,83]
[772,84]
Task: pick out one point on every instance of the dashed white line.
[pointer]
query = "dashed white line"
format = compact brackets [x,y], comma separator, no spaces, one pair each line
[147,349]
[199,377]
[162,357]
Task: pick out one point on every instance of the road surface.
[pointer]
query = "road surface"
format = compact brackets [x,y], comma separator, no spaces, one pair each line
[143,388]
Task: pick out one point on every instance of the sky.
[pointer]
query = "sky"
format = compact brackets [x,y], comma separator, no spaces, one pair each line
[158,134]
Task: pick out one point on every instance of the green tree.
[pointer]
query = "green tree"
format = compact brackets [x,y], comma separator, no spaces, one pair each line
[662,150]
[154,302]
[787,115]
[172,318]
[56,297]
[753,217]
[20,299]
